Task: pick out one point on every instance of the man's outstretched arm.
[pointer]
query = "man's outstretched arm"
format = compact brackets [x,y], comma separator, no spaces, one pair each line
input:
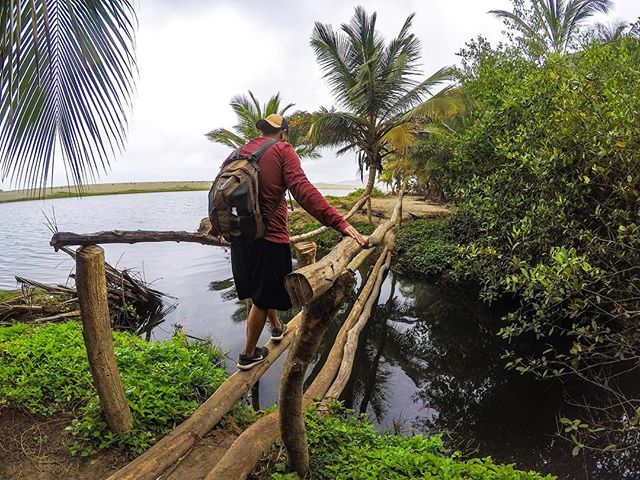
[309,198]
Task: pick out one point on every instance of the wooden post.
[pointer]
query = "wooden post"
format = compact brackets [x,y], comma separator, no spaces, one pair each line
[305,253]
[315,321]
[91,286]
[255,396]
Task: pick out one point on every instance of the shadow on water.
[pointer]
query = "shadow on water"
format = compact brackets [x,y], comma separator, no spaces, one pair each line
[429,362]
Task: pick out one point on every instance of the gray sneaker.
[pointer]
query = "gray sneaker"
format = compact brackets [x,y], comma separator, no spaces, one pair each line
[259,356]
[278,333]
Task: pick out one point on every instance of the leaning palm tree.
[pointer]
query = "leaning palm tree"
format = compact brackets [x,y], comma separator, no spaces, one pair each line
[66,79]
[376,86]
[552,25]
[248,111]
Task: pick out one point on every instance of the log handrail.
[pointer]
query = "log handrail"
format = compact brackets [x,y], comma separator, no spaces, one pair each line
[307,284]
[63,239]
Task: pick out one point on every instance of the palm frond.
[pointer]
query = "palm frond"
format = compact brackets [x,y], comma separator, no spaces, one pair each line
[331,128]
[518,22]
[416,95]
[448,103]
[66,82]
[400,138]
[225,137]
[554,23]
[332,51]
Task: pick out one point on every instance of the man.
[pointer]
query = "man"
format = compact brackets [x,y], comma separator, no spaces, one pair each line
[259,268]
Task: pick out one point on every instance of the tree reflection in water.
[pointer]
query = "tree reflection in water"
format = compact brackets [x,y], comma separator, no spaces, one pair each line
[442,342]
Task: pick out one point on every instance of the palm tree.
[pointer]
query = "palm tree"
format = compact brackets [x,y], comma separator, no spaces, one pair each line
[552,25]
[248,111]
[611,32]
[66,80]
[376,88]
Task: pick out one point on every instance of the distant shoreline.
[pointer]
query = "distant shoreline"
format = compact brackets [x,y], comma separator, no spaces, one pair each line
[72,191]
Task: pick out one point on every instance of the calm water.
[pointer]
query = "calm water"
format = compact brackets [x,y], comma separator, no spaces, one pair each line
[427,361]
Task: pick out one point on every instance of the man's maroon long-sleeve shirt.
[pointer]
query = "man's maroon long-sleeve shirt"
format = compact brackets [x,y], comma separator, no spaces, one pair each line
[280,170]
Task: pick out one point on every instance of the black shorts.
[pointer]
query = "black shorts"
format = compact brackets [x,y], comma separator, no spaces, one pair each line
[259,269]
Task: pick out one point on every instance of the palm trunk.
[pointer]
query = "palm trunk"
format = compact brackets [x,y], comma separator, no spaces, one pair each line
[373,169]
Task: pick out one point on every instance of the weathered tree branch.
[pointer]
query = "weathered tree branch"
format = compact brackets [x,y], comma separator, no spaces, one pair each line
[62,239]
[349,353]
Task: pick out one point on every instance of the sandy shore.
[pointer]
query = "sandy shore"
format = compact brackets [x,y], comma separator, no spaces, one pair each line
[122,188]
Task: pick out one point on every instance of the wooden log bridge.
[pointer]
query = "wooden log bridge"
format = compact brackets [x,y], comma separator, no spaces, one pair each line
[320,288]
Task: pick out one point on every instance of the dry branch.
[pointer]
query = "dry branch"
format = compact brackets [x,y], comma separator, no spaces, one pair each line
[61,239]
[177,443]
[314,233]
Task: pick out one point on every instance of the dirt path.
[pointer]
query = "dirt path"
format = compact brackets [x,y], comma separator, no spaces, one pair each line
[412,206]
[37,448]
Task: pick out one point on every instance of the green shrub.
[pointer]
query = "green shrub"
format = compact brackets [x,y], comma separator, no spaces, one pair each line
[547,180]
[343,448]
[358,192]
[6,295]
[425,247]
[44,370]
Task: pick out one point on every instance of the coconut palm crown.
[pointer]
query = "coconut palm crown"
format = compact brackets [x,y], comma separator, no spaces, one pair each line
[552,25]
[248,111]
[376,86]
[67,73]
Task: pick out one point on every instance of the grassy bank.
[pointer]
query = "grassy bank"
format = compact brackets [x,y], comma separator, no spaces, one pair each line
[425,248]
[122,188]
[343,447]
[45,372]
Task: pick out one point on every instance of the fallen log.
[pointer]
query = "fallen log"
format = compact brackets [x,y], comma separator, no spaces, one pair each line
[62,239]
[349,351]
[180,440]
[314,233]
[307,284]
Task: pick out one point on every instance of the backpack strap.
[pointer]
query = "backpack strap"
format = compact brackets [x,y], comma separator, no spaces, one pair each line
[235,154]
[255,156]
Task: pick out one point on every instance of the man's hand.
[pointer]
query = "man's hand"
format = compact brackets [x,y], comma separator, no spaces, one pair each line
[213,233]
[353,233]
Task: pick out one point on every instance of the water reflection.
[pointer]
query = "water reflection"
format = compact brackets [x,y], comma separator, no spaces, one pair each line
[429,361]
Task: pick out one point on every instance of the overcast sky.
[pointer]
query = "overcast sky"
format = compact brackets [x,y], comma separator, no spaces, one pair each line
[193,56]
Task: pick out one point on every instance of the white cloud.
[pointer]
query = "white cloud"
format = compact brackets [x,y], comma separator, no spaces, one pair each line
[194,56]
